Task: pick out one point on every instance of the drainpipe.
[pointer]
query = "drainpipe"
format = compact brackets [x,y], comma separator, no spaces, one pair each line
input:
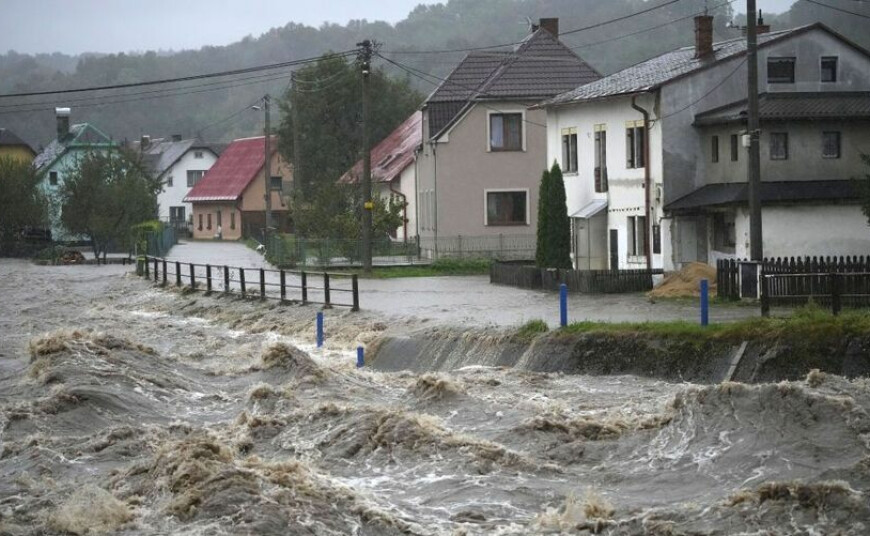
[404,211]
[435,188]
[647,184]
[417,194]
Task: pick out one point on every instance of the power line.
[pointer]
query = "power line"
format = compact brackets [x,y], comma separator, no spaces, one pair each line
[227,118]
[576,30]
[707,94]
[245,70]
[841,10]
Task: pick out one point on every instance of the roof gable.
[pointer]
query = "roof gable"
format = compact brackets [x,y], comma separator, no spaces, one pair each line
[81,136]
[10,139]
[238,165]
[392,155]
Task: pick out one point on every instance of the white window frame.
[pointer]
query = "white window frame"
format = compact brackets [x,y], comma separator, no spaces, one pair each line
[570,131]
[523,125]
[486,193]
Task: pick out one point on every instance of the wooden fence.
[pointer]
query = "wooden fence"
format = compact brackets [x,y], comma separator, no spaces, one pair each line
[283,285]
[586,281]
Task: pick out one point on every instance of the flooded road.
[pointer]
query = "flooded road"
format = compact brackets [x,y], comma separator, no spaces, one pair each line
[129,409]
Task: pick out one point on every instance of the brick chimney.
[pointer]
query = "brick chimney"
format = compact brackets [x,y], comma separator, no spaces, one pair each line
[144,142]
[703,36]
[176,137]
[551,25]
[62,115]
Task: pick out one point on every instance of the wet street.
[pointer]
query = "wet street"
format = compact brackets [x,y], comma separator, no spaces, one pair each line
[130,409]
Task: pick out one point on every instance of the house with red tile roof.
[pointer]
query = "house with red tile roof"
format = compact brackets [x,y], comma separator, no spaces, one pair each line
[229,201]
[394,171]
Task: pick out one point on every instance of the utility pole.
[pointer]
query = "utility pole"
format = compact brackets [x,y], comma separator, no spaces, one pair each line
[756,247]
[267,168]
[297,149]
[365,59]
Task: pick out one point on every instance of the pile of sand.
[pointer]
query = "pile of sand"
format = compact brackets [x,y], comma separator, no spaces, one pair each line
[686,283]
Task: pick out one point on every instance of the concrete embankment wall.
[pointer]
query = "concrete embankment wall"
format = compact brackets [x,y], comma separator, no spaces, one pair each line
[643,354]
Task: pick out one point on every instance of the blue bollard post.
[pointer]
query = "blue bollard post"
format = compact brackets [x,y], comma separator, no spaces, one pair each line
[705,302]
[360,357]
[563,305]
[320,329]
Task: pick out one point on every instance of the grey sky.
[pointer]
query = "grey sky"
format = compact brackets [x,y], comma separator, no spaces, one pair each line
[73,27]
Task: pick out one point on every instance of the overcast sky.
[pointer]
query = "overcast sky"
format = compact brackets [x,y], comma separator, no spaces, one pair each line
[76,26]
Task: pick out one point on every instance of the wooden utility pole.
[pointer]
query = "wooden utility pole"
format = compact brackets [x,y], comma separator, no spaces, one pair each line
[756,247]
[365,57]
[267,168]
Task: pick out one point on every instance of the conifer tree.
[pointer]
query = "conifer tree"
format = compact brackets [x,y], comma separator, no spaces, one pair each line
[558,225]
[542,254]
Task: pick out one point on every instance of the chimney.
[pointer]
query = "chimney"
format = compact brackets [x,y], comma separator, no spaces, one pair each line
[176,137]
[144,142]
[551,25]
[760,27]
[703,36]
[62,115]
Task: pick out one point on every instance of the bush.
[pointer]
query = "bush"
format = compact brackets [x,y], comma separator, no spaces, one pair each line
[140,232]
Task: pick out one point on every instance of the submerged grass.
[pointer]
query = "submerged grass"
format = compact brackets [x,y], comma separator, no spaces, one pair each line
[809,322]
[441,267]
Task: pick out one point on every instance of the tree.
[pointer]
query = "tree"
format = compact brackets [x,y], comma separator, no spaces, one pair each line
[559,225]
[542,251]
[104,195]
[22,203]
[329,102]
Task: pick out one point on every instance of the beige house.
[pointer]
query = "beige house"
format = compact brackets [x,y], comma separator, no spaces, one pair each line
[229,201]
[484,150]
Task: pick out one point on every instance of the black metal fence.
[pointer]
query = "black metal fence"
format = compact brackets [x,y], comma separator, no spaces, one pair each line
[587,281]
[328,289]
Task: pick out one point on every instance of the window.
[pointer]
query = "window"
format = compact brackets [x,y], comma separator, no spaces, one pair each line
[52,178]
[724,232]
[176,214]
[197,154]
[169,181]
[208,220]
[507,207]
[600,158]
[218,218]
[735,148]
[714,148]
[830,145]
[829,69]
[193,177]
[233,219]
[634,145]
[569,150]
[779,146]
[506,132]
[657,239]
[636,236]
[200,223]
[780,70]
[277,183]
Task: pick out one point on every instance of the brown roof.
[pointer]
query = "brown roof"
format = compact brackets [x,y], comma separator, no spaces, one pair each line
[392,155]
[538,68]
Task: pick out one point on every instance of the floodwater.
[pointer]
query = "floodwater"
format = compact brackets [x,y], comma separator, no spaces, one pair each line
[128,409]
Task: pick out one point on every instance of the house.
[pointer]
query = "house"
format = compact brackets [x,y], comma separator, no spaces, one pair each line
[230,199]
[61,156]
[656,166]
[11,146]
[179,164]
[484,150]
[394,171]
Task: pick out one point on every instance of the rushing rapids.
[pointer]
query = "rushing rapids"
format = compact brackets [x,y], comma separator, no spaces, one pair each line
[126,409]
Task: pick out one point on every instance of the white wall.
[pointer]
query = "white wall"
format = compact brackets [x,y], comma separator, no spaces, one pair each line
[626,195]
[173,196]
[404,183]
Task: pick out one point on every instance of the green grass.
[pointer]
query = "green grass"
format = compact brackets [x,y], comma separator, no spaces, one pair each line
[441,267]
[809,322]
[530,330]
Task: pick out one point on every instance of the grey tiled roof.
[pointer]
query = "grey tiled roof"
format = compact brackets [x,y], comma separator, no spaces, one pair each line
[794,106]
[162,153]
[721,194]
[538,68]
[655,72]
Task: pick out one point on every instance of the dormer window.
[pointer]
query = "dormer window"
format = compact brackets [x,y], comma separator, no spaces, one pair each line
[780,70]
[829,69]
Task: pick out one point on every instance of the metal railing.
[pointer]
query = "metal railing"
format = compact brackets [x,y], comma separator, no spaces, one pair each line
[291,251]
[498,246]
[284,285]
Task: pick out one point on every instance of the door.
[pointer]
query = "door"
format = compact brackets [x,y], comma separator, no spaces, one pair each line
[614,249]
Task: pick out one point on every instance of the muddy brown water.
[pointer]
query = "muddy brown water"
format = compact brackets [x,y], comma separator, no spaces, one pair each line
[128,409]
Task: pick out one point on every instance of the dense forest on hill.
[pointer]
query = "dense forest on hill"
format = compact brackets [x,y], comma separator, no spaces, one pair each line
[193,108]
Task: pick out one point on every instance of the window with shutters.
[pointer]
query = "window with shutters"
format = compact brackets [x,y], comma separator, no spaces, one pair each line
[569,150]
[600,159]
[506,132]
[830,145]
[636,236]
[193,177]
[634,147]
[208,220]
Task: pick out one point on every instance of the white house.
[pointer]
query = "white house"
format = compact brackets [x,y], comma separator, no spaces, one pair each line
[656,168]
[179,164]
